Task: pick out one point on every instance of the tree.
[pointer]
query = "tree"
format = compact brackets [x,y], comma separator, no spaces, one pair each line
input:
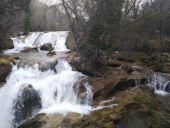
[103,28]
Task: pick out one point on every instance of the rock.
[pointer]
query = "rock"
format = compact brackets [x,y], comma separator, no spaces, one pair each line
[27,103]
[51,121]
[5,69]
[70,42]
[2,84]
[46,47]
[28,49]
[51,53]
[36,122]
[135,69]
[43,63]
[107,88]
[113,64]
[141,109]
[80,86]
[7,44]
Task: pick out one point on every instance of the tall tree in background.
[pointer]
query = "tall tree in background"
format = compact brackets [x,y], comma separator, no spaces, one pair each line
[104,24]
[103,27]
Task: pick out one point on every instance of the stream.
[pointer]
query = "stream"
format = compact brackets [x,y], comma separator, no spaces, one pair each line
[41,84]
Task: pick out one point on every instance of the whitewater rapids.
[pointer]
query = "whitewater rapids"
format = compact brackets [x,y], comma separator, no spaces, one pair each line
[36,39]
[58,90]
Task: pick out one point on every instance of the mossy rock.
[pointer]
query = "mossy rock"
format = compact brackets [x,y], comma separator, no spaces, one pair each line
[5,69]
[7,44]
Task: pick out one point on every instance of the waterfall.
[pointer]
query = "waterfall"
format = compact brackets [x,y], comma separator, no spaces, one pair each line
[29,91]
[36,39]
[160,82]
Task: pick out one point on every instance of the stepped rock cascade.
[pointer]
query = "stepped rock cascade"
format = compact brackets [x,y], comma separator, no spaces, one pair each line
[36,39]
[30,90]
[160,82]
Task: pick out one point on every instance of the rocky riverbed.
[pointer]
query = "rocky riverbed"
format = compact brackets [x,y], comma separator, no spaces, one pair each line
[123,94]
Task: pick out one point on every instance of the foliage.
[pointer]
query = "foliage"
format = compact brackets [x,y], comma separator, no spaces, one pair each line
[102,28]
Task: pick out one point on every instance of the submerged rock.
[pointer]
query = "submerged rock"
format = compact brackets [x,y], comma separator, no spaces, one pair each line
[27,104]
[5,69]
[51,53]
[46,47]
[28,49]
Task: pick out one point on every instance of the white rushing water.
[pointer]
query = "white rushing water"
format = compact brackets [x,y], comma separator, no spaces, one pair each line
[161,83]
[36,39]
[58,90]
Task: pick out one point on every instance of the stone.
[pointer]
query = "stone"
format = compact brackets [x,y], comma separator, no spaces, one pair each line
[46,47]
[44,63]
[7,44]
[27,103]
[5,69]
[113,64]
[29,49]
[51,53]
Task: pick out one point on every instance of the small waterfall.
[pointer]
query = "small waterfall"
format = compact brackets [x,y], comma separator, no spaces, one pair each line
[160,82]
[29,90]
[36,39]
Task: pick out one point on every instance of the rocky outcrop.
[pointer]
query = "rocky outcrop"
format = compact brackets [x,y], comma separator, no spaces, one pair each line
[26,105]
[36,122]
[46,47]
[43,63]
[5,69]
[7,44]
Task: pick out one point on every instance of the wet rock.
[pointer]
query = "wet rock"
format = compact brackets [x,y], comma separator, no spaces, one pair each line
[28,49]
[46,47]
[43,63]
[26,105]
[5,69]
[36,122]
[80,86]
[2,84]
[105,88]
[7,44]
[51,53]
[51,121]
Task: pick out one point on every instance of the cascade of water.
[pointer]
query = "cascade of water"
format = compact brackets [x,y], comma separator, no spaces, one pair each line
[36,39]
[52,92]
[160,82]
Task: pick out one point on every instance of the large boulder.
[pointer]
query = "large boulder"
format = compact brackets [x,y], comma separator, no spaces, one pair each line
[104,88]
[43,63]
[5,69]
[7,44]
[26,105]
[46,47]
